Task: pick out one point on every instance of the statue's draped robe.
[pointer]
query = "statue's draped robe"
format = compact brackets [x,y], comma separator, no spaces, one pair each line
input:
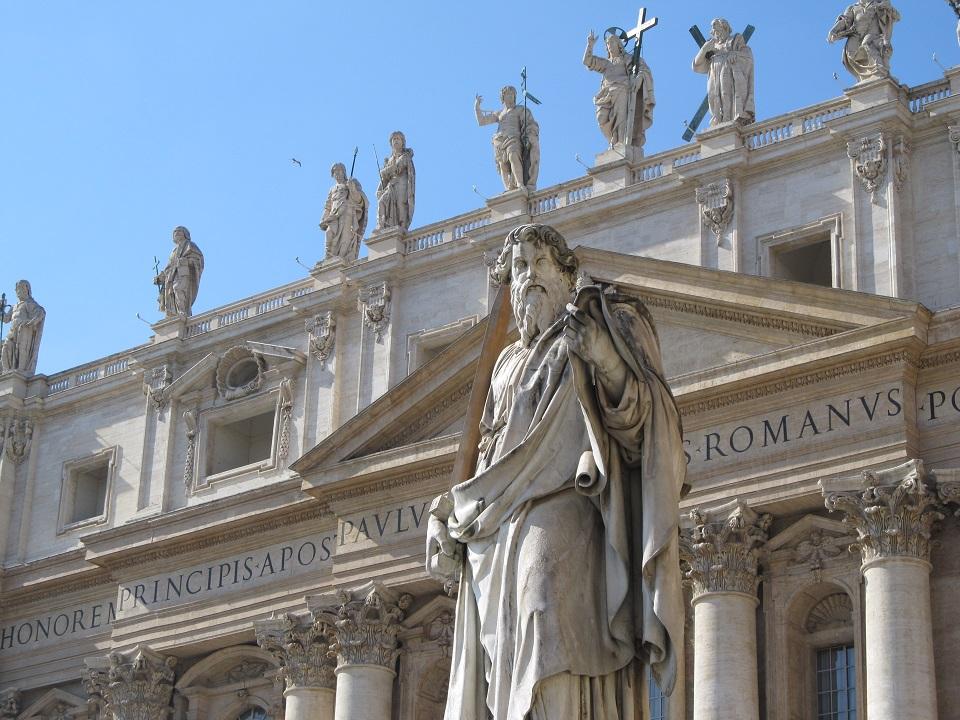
[22,346]
[182,279]
[571,578]
[518,132]
[869,33]
[397,191]
[345,214]
[729,73]
[621,120]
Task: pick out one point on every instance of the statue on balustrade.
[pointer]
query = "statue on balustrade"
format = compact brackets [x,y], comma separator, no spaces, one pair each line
[21,347]
[179,281]
[868,27]
[516,144]
[955,6]
[344,216]
[727,61]
[625,101]
[397,189]
[565,540]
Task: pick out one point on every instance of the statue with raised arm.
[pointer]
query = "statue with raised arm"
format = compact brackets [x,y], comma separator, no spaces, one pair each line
[867,26]
[21,347]
[344,215]
[565,540]
[398,184]
[727,61]
[625,101]
[179,282]
[516,144]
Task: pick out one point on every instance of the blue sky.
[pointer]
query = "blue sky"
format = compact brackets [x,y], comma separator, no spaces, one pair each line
[122,120]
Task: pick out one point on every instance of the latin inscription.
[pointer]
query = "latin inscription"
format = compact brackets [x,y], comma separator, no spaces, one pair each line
[58,626]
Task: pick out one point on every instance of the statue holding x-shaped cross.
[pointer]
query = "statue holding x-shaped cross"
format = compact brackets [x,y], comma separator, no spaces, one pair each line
[727,61]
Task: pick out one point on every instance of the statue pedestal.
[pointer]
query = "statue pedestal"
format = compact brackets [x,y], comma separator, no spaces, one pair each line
[170,328]
[13,384]
[874,92]
[511,204]
[386,242]
[613,169]
[720,139]
[328,272]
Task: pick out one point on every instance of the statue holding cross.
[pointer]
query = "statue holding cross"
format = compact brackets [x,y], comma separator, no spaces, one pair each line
[727,61]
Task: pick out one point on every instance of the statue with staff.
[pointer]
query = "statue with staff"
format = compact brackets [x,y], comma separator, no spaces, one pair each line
[516,144]
[179,282]
[344,214]
[19,351]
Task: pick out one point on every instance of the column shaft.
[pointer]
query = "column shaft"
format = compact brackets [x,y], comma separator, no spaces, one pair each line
[309,703]
[364,692]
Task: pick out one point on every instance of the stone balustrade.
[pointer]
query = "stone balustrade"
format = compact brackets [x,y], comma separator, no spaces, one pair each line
[783,127]
[245,309]
[922,95]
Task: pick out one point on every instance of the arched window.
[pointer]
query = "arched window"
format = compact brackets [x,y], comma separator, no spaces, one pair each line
[253,713]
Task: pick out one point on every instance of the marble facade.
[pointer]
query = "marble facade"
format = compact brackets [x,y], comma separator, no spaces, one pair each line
[804,276]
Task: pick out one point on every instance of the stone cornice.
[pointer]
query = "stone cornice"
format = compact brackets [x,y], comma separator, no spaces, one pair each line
[57,588]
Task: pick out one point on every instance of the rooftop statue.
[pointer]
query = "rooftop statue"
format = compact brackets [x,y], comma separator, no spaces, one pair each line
[565,540]
[179,281]
[398,184]
[625,101]
[21,347]
[344,215]
[727,61]
[516,144]
[868,27]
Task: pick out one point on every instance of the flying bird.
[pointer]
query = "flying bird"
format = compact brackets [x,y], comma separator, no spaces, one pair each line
[296,162]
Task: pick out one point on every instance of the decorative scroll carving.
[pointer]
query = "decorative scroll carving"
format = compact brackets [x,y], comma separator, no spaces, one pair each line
[322,334]
[720,551]
[901,162]
[285,402]
[834,611]
[9,703]
[869,157]
[134,687]
[893,515]
[716,205]
[374,305]
[303,647]
[190,419]
[17,432]
[366,625]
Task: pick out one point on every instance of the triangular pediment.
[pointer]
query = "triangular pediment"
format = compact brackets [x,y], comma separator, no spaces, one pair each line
[55,704]
[707,320]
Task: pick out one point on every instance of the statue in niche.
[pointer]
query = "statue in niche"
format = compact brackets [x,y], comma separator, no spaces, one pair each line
[397,189]
[565,540]
[344,215]
[727,61]
[868,27]
[21,347]
[180,280]
[625,101]
[516,144]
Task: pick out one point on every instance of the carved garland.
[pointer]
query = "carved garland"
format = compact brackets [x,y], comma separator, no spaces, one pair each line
[190,419]
[286,411]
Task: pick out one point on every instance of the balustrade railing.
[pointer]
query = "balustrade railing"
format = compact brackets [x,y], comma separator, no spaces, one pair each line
[922,95]
[778,129]
[86,375]
[248,308]
[561,196]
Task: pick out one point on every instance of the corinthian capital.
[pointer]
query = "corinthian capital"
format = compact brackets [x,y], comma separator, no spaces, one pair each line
[893,512]
[133,686]
[303,648]
[720,551]
[366,623]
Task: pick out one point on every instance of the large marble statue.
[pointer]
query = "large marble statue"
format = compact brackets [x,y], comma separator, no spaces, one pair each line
[21,347]
[516,144]
[868,27]
[398,185]
[727,61]
[566,537]
[179,281]
[625,100]
[344,215]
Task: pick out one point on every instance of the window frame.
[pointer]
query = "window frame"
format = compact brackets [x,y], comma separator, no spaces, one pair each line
[770,245]
[68,488]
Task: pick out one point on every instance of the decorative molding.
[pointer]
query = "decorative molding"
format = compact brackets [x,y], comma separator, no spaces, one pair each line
[137,686]
[953,133]
[156,389]
[894,514]
[940,359]
[720,552]
[322,336]
[24,596]
[190,420]
[869,156]
[901,162]
[17,434]
[9,703]
[716,205]
[440,471]
[285,406]
[303,648]
[834,611]
[413,431]
[373,302]
[231,379]
[245,670]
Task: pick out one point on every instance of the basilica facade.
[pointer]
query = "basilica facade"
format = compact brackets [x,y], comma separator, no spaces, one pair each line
[228,522]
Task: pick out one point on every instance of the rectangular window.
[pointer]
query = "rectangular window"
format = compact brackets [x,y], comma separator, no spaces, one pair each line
[85,490]
[241,443]
[836,683]
[809,263]
[89,492]
[658,701]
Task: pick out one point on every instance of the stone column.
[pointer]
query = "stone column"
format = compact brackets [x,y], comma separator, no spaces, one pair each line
[894,512]
[366,623]
[133,686]
[720,555]
[304,649]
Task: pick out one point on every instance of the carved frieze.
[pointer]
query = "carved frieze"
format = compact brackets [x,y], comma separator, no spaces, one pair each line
[720,551]
[716,205]
[869,156]
[894,514]
[9,703]
[303,647]
[322,336]
[366,623]
[137,686]
[374,306]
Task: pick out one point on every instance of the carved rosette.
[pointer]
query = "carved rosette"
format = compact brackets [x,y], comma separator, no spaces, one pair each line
[893,515]
[303,647]
[17,437]
[322,336]
[720,552]
[716,205]
[134,687]
[9,703]
[286,411]
[869,156]
[366,625]
[374,306]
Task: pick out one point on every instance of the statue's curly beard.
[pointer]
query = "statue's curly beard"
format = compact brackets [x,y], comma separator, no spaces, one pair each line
[536,308]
